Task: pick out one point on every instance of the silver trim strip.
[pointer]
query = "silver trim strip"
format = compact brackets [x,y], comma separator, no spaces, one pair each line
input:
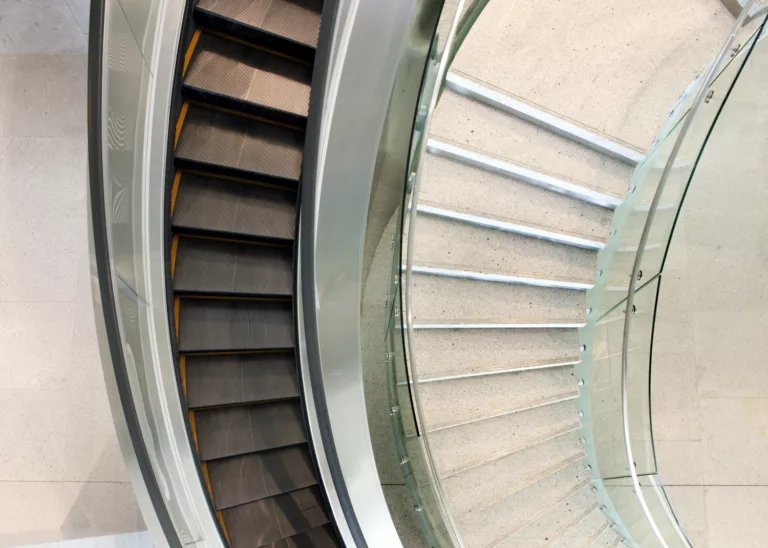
[506,226]
[368,40]
[564,325]
[543,119]
[501,278]
[492,372]
[522,173]
[313,422]
[505,412]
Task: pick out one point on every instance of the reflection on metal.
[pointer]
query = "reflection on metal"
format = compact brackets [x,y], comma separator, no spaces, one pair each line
[138,83]
[501,278]
[343,139]
[313,424]
[522,173]
[506,226]
[544,119]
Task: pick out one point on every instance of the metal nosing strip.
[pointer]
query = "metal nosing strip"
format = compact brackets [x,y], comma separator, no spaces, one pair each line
[495,372]
[501,278]
[502,413]
[515,228]
[543,119]
[522,173]
[561,325]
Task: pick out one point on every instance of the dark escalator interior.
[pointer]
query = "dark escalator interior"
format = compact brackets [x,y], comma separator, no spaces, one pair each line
[241,109]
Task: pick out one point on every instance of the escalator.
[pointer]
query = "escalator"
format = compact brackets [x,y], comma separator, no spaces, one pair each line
[241,106]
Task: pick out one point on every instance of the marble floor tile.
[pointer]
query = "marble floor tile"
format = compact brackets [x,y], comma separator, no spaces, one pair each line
[680,462]
[731,353]
[688,504]
[40,26]
[737,516]
[33,435]
[45,95]
[91,452]
[81,10]
[735,436]
[30,512]
[674,398]
[93,509]
[43,177]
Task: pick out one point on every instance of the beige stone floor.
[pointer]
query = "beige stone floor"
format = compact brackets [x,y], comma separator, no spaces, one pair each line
[613,65]
[710,384]
[61,472]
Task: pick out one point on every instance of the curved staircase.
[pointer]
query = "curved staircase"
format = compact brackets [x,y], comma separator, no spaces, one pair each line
[512,212]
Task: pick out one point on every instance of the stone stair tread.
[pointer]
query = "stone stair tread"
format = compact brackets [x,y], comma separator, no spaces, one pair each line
[581,532]
[456,450]
[484,484]
[493,525]
[445,352]
[446,243]
[438,298]
[451,403]
[553,522]
[482,127]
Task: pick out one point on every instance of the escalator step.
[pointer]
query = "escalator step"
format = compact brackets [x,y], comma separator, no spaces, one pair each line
[239,480]
[230,431]
[248,78]
[319,537]
[296,20]
[266,521]
[208,325]
[217,266]
[240,378]
[239,145]
[206,203]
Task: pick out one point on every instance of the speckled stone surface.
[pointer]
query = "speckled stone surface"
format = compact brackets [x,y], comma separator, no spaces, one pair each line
[484,484]
[554,522]
[453,185]
[443,352]
[469,122]
[437,298]
[449,402]
[615,66]
[457,449]
[581,532]
[467,247]
[510,515]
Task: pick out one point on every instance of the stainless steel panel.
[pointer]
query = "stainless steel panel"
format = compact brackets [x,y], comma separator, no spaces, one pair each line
[366,50]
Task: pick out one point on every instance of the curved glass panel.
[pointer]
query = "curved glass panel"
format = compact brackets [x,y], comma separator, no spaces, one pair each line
[617,341]
[417,508]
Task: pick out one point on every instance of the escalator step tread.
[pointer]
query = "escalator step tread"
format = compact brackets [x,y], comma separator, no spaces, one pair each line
[207,203]
[247,478]
[266,521]
[216,138]
[240,378]
[250,75]
[238,430]
[319,537]
[217,266]
[208,325]
[297,20]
